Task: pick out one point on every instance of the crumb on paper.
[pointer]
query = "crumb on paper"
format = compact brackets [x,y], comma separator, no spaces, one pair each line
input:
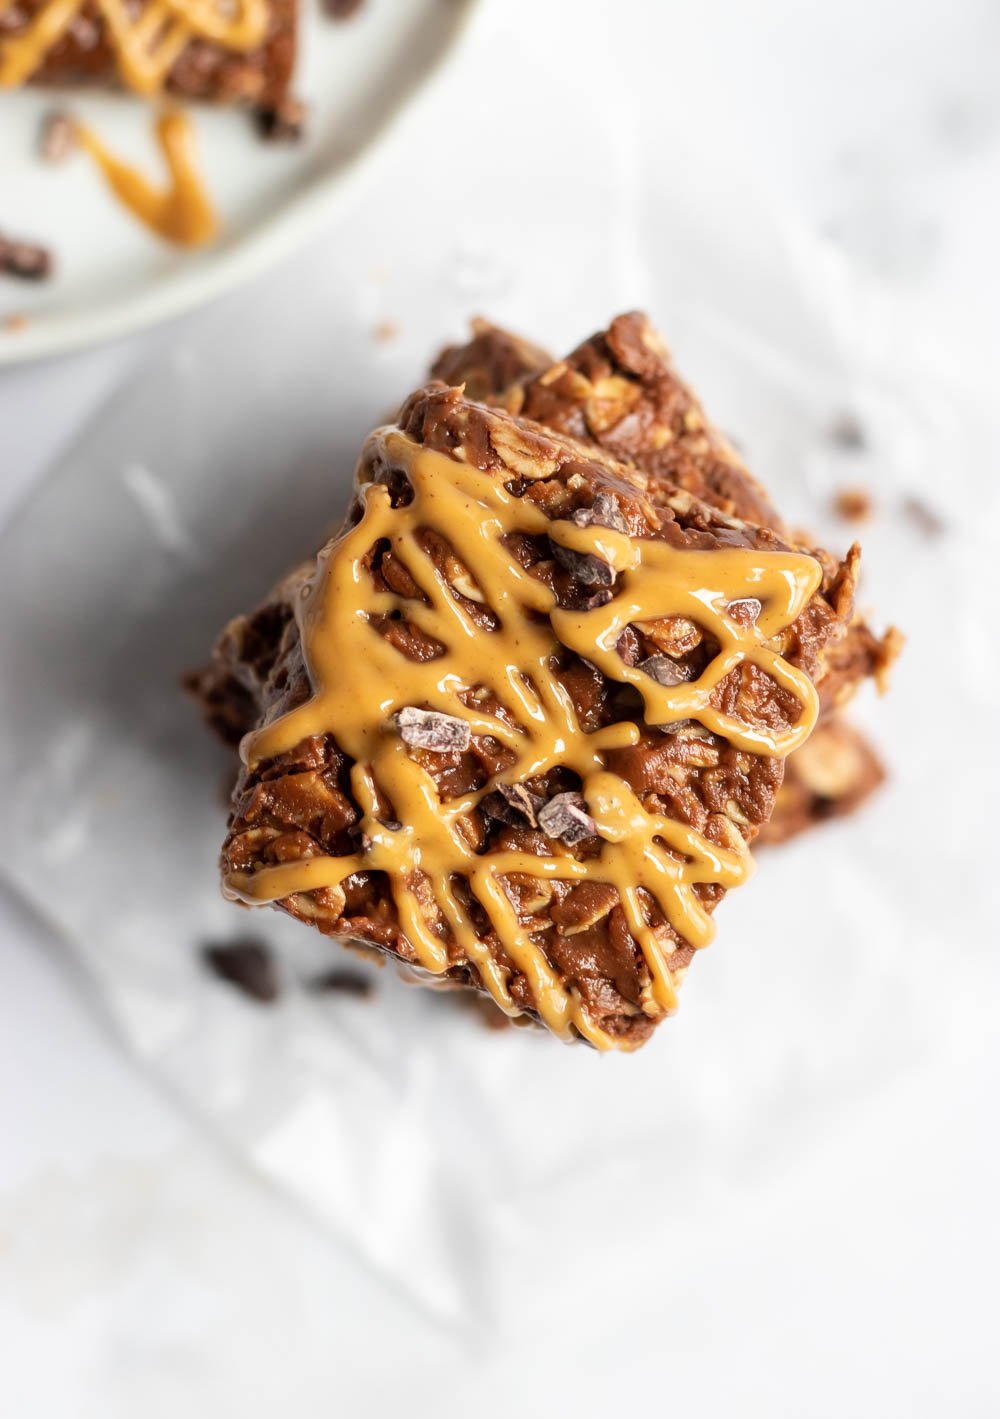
[486,1011]
[245,963]
[385,332]
[923,517]
[24,260]
[57,138]
[853,504]
[343,980]
[15,323]
[848,432]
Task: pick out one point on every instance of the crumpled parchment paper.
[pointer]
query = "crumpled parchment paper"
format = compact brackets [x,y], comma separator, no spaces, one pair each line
[451,1157]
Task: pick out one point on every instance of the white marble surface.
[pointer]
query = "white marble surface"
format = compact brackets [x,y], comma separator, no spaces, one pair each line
[141,1269]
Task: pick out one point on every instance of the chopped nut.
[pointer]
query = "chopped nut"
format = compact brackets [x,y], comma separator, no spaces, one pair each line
[528,895]
[587,904]
[428,729]
[829,767]
[745,611]
[674,635]
[58,137]
[610,400]
[565,817]
[513,803]
[852,504]
[723,830]
[527,459]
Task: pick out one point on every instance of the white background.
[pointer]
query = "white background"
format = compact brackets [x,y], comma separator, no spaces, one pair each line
[141,1268]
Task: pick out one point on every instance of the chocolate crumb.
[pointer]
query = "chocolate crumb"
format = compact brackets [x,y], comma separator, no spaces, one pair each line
[341,980]
[342,9]
[25,260]
[284,124]
[591,602]
[428,729]
[853,504]
[924,517]
[663,670]
[246,964]
[848,433]
[565,817]
[57,138]
[486,1010]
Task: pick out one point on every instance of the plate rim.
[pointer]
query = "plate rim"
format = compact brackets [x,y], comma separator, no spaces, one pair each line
[263,247]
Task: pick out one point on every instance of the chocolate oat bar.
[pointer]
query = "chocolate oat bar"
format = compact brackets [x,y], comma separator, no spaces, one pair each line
[620,391]
[572,691]
[241,53]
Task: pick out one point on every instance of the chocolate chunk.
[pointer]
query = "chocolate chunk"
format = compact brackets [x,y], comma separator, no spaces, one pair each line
[25,260]
[590,602]
[58,138]
[848,432]
[341,980]
[664,670]
[584,567]
[513,803]
[565,817]
[427,729]
[604,512]
[248,965]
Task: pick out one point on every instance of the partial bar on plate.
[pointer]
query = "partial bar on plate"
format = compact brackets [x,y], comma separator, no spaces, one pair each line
[568,695]
[197,49]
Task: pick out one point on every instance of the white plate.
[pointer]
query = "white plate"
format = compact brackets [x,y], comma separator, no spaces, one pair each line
[112,276]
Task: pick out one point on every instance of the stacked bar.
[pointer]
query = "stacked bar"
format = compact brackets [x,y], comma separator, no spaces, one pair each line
[581,646]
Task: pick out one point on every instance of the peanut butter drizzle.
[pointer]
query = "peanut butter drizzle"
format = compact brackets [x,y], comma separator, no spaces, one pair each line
[146,46]
[181,212]
[360,680]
